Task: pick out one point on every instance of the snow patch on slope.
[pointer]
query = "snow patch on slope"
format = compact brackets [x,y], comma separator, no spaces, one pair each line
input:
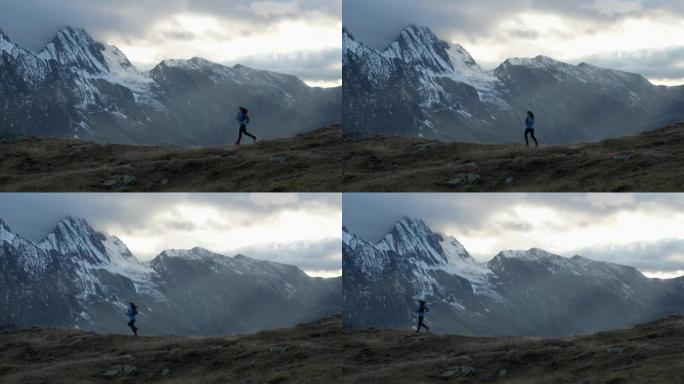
[427,252]
[375,66]
[91,251]
[436,60]
[32,259]
[372,261]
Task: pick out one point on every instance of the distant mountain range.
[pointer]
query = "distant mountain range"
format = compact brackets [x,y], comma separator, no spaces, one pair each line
[516,293]
[77,87]
[423,86]
[80,278]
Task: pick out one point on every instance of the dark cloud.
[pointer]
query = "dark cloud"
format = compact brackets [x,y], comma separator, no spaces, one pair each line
[33,23]
[309,66]
[35,215]
[324,255]
[180,35]
[660,63]
[179,225]
[514,226]
[660,256]
[378,22]
[522,33]
[371,216]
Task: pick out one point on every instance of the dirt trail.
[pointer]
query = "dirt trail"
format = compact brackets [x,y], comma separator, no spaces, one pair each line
[319,352]
[308,162]
[652,161]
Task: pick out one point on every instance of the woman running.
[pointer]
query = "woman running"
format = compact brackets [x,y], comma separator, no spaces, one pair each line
[421,311]
[529,129]
[132,313]
[243,119]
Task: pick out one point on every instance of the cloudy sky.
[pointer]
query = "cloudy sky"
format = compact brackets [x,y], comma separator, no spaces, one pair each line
[641,230]
[298,229]
[299,37]
[642,36]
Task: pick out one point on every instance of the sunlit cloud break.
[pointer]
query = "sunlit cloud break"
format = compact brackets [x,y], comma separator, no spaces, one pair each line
[642,231]
[229,32]
[634,36]
[232,43]
[297,229]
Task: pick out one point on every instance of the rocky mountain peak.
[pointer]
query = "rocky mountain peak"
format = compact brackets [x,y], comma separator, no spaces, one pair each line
[75,47]
[419,46]
[407,221]
[79,88]
[411,228]
[532,254]
[413,238]
[80,278]
[459,54]
[6,234]
[7,45]
[349,42]
[76,238]
[75,225]
[196,253]
[419,34]
[76,34]
[117,62]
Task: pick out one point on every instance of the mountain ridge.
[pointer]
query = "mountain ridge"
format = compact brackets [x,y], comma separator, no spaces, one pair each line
[531,292]
[80,278]
[78,87]
[435,90]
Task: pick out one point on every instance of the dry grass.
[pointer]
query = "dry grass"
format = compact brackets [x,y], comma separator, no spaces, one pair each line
[320,353]
[322,161]
[393,164]
[308,162]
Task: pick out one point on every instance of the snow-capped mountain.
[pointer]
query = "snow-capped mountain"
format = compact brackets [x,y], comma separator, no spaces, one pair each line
[78,87]
[435,61]
[420,85]
[79,277]
[529,292]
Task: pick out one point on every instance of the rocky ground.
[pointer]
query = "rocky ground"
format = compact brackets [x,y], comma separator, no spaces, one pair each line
[320,353]
[652,161]
[322,161]
[308,162]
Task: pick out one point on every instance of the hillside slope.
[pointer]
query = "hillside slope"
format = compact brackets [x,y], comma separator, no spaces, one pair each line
[77,87]
[650,162]
[423,86]
[320,353]
[307,162]
[515,293]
